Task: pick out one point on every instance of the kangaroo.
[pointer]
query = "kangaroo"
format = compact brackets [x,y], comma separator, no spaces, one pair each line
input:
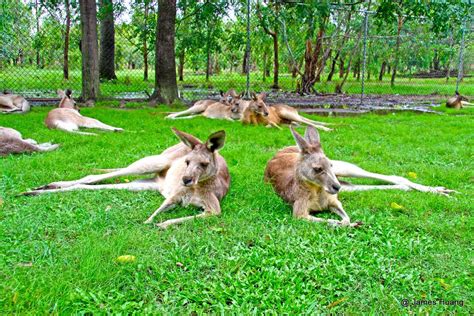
[11,142]
[458,102]
[191,172]
[12,103]
[257,112]
[209,108]
[305,178]
[238,106]
[67,117]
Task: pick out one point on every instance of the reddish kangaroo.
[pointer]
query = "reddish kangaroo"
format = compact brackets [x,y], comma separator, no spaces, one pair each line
[305,178]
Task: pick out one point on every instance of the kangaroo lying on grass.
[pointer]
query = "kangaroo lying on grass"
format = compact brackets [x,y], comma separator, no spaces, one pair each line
[257,112]
[305,178]
[12,103]
[190,172]
[209,108]
[458,102]
[67,117]
[11,142]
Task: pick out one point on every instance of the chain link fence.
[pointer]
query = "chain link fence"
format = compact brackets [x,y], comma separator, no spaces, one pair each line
[40,53]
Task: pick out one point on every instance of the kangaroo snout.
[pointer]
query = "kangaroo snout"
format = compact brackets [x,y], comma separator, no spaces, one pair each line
[187,181]
[333,188]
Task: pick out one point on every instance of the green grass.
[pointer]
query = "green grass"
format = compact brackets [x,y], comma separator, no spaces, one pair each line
[45,82]
[57,252]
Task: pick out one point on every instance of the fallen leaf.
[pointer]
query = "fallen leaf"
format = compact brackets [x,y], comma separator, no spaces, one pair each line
[396,206]
[126,259]
[15,298]
[25,264]
[335,303]
[1,202]
[445,285]
[412,175]
[126,181]
[108,208]
[423,295]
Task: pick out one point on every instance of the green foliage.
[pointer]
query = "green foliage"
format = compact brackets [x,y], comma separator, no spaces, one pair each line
[59,251]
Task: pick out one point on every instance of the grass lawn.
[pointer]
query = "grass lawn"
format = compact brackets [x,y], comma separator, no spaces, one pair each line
[44,83]
[58,252]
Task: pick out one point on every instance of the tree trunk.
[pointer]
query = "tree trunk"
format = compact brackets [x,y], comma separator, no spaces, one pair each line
[208,61]
[348,69]
[107,41]
[244,63]
[397,49]
[181,65]
[145,44]
[436,61]
[276,64]
[382,70]
[341,67]
[264,72]
[66,40]
[448,68]
[166,87]
[90,52]
[311,61]
[38,14]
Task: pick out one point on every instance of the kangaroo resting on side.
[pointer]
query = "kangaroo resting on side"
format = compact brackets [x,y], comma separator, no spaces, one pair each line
[220,109]
[257,112]
[67,117]
[12,103]
[11,142]
[305,178]
[458,102]
[191,172]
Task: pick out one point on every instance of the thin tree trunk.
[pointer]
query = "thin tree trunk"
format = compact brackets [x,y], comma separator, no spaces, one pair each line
[397,49]
[66,40]
[244,63]
[145,44]
[448,69]
[181,66]
[37,13]
[382,70]
[90,52]
[276,64]
[341,67]
[264,72]
[166,87]
[208,60]
[348,69]
[107,41]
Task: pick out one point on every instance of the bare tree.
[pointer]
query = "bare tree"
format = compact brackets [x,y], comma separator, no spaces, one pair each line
[166,87]
[107,41]
[89,49]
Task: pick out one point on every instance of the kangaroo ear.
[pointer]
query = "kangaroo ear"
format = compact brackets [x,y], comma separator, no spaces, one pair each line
[216,141]
[254,96]
[221,92]
[68,93]
[300,141]
[312,136]
[61,93]
[241,95]
[188,139]
[262,96]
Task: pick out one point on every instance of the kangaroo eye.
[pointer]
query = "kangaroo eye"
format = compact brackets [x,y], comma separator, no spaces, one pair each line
[204,164]
[318,169]
[187,162]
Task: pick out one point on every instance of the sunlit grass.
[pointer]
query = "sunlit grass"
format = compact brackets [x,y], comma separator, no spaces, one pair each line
[58,252]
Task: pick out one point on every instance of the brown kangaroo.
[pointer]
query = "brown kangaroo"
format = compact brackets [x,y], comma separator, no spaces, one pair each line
[257,112]
[12,103]
[191,172]
[11,142]
[67,117]
[305,178]
[220,109]
[458,102]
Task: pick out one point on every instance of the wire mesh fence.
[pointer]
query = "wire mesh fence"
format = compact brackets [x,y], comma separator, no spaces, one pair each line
[41,51]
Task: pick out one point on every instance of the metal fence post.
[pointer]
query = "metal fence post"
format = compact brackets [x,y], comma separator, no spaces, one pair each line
[461,57]
[364,57]
[247,92]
